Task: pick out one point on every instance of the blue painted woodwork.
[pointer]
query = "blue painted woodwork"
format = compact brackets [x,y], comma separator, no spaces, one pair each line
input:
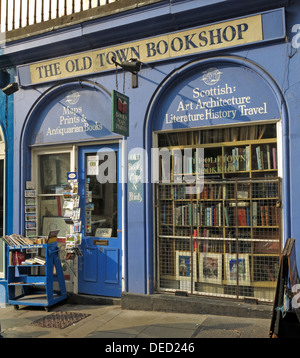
[44,293]
[100,267]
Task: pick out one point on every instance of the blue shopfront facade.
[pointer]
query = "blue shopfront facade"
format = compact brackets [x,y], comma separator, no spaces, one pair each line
[6,161]
[239,71]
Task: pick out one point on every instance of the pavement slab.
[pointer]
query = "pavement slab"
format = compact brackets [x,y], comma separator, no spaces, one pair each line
[112,321]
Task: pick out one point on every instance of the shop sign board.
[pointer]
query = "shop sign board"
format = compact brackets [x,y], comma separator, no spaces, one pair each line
[75,115]
[135,176]
[221,35]
[207,38]
[120,113]
[217,94]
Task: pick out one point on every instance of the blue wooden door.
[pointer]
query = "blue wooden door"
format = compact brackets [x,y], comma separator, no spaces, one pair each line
[100,267]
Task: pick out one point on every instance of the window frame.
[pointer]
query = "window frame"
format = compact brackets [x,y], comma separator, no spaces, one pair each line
[156,222]
[35,167]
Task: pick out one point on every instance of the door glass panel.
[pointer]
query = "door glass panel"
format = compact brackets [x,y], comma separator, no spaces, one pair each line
[101,197]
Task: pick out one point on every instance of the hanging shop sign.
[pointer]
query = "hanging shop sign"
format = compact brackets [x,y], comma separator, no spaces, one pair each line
[236,32]
[120,113]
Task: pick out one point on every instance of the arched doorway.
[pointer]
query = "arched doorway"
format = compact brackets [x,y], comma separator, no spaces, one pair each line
[68,130]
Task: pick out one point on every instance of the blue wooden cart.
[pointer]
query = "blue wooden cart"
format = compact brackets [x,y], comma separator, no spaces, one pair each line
[35,284]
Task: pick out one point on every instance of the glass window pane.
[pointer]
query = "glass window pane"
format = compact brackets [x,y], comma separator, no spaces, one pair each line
[53,169]
[100,202]
[53,172]
[51,216]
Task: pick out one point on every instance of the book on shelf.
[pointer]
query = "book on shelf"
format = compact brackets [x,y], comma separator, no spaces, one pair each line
[16,258]
[268,215]
[40,260]
[239,204]
[213,192]
[179,192]
[29,261]
[183,214]
[226,217]
[254,213]
[267,189]
[195,214]
[266,157]
[237,159]
[238,214]
[212,164]
[258,158]
[213,215]
[243,216]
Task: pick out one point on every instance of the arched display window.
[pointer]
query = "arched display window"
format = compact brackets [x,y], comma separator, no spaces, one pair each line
[217,220]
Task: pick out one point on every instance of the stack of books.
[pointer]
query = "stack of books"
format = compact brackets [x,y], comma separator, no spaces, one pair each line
[17,240]
[35,260]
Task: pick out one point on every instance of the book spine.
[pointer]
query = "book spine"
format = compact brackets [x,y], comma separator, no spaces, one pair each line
[254,213]
[262,215]
[268,156]
[258,157]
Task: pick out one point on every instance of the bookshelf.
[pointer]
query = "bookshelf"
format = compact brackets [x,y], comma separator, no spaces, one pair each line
[35,276]
[230,232]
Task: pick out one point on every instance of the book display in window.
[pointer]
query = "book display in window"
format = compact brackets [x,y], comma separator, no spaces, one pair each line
[237,269]
[232,228]
[184,267]
[210,267]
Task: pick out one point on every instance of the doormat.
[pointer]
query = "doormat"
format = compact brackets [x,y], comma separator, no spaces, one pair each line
[60,319]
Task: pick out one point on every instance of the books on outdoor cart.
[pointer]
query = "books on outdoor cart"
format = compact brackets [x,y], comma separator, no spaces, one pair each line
[19,240]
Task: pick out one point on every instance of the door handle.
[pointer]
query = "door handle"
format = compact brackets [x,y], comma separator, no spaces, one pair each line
[101,249]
